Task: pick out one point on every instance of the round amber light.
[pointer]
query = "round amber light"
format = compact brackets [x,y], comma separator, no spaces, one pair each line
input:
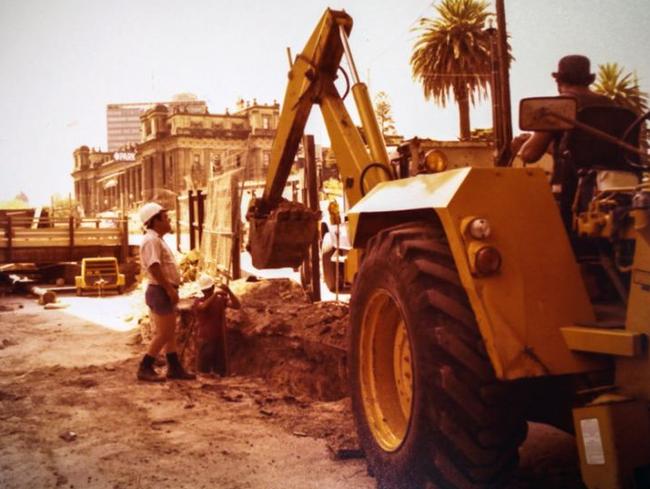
[487,260]
[435,161]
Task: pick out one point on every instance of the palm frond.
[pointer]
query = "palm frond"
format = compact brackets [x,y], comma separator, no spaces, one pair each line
[622,88]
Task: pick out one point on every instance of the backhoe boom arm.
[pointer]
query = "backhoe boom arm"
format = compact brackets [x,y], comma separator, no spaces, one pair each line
[281,232]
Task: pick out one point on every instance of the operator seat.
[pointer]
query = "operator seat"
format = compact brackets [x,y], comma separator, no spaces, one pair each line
[589,163]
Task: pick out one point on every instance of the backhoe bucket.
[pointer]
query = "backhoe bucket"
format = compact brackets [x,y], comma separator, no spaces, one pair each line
[282,238]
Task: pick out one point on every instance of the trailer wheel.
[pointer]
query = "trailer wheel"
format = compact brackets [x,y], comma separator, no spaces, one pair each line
[329,271]
[427,404]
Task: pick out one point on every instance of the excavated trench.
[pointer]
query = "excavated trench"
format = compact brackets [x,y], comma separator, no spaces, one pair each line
[301,367]
[296,346]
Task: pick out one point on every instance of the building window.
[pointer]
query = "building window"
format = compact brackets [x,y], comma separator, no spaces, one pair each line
[266,122]
[266,160]
[238,160]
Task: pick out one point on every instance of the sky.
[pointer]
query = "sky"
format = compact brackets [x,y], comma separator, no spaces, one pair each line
[63,61]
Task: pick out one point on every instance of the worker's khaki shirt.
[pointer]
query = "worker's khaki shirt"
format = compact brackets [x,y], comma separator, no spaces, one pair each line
[154,250]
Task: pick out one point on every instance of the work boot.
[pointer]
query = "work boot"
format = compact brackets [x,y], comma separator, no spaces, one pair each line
[175,370]
[146,371]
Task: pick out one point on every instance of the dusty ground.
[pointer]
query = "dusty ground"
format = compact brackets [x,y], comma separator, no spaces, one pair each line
[72,414]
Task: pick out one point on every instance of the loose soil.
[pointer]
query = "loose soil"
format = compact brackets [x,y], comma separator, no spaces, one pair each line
[72,414]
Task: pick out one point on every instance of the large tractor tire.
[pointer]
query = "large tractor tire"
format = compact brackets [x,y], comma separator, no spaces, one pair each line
[427,404]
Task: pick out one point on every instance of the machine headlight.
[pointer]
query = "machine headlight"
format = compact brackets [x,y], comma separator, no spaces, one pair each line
[435,161]
[479,228]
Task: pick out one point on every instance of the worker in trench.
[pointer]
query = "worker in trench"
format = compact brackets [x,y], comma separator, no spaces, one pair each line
[159,265]
[210,311]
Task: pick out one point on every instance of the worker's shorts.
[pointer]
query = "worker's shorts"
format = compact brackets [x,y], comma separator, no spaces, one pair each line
[158,300]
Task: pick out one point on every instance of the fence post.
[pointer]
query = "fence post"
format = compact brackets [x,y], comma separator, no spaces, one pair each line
[9,233]
[314,205]
[125,239]
[200,197]
[235,227]
[190,206]
[177,206]
[71,237]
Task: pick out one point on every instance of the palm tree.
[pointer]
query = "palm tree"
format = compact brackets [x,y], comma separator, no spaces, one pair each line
[384,113]
[452,56]
[625,91]
[622,89]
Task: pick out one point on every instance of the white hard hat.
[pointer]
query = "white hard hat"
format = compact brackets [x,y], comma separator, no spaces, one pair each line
[205,281]
[149,210]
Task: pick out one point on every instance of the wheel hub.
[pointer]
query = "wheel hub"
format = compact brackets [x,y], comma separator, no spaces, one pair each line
[386,371]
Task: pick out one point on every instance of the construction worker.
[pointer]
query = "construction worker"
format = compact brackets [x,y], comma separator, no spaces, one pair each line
[573,78]
[158,263]
[210,313]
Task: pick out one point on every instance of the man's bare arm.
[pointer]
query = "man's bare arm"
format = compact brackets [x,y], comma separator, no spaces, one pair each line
[234,301]
[204,304]
[535,147]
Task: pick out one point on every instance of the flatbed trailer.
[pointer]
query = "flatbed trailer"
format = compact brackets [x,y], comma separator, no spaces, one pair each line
[29,240]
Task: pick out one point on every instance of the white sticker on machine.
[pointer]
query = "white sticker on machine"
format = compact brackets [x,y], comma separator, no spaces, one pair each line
[593,442]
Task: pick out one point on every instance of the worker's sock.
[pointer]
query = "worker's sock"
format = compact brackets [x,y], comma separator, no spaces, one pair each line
[146,371]
[172,360]
[175,369]
[147,361]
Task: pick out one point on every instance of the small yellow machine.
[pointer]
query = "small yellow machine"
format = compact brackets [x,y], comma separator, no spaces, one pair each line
[478,303]
[100,275]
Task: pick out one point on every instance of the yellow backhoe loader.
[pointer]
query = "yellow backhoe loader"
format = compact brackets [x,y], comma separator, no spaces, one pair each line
[476,304]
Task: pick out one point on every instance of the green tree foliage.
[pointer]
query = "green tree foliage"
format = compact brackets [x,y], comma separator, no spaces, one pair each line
[20,201]
[451,57]
[63,207]
[622,88]
[14,204]
[384,113]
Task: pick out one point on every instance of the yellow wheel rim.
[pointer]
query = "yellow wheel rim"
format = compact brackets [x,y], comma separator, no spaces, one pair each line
[386,371]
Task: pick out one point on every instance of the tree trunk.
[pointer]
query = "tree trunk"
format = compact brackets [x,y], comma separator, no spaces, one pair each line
[463,109]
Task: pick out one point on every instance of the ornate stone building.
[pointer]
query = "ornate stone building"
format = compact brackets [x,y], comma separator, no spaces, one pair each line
[180,150]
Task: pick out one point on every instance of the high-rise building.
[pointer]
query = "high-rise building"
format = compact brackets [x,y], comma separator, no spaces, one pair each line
[123,120]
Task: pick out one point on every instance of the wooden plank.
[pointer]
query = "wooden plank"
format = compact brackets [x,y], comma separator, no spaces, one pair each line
[59,241]
[56,254]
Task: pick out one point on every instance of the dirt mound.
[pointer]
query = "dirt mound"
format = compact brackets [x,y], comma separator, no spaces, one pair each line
[281,307]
